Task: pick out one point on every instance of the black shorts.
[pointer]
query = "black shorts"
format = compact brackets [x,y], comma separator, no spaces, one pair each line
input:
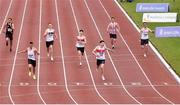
[144,41]
[49,43]
[32,62]
[99,62]
[81,49]
[9,35]
[114,36]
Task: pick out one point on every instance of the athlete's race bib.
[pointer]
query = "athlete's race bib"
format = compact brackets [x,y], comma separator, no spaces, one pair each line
[9,30]
[51,34]
[101,53]
[30,56]
[145,34]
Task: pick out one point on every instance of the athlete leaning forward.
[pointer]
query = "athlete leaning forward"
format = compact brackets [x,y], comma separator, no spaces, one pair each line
[99,52]
[144,37]
[32,52]
[50,35]
[80,45]
[113,29]
[9,29]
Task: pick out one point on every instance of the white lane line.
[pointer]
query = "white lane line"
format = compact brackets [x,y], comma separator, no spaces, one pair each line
[2,26]
[62,54]
[110,55]
[137,60]
[39,47]
[14,61]
[69,57]
[89,68]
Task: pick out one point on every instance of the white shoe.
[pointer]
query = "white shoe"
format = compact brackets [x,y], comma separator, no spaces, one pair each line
[80,64]
[52,59]
[34,77]
[113,47]
[48,54]
[29,73]
[145,55]
[103,78]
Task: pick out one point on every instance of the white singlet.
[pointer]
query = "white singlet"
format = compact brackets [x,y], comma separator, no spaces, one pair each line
[80,41]
[112,28]
[31,53]
[144,33]
[50,35]
[100,53]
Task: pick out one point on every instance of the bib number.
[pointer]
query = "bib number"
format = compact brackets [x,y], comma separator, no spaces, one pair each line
[30,56]
[145,34]
[101,54]
[51,34]
[9,30]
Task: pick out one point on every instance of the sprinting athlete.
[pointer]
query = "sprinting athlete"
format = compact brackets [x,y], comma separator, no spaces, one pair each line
[80,45]
[99,52]
[32,52]
[113,29]
[145,38]
[9,29]
[49,34]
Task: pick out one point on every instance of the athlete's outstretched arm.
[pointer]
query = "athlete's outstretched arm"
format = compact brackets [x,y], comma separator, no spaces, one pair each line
[45,33]
[94,51]
[85,41]
[140,33]
[118,28]
[23,51]
[13,26]
[55,35]
[38,53]
[109,49]
[152,31]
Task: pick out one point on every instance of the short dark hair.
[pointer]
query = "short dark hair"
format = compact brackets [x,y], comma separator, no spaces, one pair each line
[9,18]
[30,42]
[112,17]
[145,23]
[81,30]
[101,41]
[50,24]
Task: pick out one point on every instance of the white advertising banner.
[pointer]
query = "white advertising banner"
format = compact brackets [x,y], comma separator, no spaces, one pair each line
[159,17]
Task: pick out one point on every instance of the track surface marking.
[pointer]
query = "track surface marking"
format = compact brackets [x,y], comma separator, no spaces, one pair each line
[28,32]
[130,78]
[51,73]
[5,8]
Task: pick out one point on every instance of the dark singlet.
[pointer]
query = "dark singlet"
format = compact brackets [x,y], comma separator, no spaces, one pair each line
[9,28]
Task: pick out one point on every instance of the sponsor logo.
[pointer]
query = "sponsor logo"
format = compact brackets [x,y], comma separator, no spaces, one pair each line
[173,31]
[152,7]
[159,17]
